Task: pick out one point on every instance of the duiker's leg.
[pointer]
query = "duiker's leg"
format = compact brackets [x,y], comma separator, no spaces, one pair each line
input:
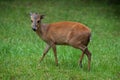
[55,54]
[89,57]
[80,60]
[45,51]
[81,47]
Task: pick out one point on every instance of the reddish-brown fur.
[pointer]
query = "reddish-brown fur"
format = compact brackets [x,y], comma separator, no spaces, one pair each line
[63,33]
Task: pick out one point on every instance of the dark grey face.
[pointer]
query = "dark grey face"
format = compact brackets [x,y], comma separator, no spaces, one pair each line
[35,19]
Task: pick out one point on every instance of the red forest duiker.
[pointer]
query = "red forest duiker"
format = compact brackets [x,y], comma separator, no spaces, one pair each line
[70,33]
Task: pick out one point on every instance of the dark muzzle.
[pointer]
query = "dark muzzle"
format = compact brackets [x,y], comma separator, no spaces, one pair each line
[34,29]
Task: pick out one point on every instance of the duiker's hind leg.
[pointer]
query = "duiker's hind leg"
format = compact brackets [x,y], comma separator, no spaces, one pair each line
[87,52]
[81,57]
[80,60]
[89,57]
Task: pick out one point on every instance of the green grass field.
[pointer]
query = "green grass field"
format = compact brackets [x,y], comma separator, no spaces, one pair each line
[21,48]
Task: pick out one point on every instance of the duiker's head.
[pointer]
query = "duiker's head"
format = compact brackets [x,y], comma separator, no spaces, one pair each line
[36,20]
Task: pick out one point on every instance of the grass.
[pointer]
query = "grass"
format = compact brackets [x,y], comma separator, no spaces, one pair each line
[21,48]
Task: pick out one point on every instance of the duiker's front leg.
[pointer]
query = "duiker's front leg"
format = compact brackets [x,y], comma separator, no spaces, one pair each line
[45,51]
[55,54]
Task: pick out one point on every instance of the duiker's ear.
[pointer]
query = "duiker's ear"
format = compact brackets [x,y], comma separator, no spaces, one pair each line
[42,16]
[30,13]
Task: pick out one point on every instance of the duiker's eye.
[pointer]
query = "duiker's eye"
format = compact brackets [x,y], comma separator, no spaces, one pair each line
[31,21]
[38,21]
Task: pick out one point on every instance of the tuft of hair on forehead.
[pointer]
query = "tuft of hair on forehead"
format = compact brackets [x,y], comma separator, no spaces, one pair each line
[36,15]
[31,14]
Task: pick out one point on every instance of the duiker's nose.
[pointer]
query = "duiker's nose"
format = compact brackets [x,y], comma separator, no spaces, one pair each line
[34,29]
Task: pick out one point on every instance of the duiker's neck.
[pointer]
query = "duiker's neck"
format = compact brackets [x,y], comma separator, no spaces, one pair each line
[39,30]
[42,29]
